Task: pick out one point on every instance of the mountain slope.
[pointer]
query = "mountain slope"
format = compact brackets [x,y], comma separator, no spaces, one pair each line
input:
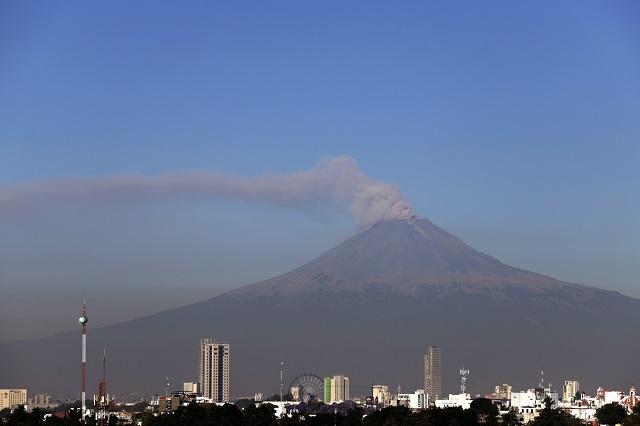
[366,308]
[409,257]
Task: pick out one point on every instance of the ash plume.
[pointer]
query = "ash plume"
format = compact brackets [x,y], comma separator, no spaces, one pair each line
[336,181]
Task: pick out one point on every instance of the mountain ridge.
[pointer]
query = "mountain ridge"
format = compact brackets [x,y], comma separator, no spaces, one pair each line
[400,265]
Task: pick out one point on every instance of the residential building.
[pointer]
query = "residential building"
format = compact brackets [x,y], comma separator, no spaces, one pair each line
[295,393]
[433,373]
[11,398]
[380,395]
[190,387]
[569,390]
[502,391]
[455,400]
[214,370]
[415,401]
[583,408]
[529,403]
[40,400]
[338,389]
[327,390]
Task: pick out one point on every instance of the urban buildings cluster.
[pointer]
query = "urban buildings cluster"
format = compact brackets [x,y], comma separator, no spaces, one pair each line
[214,387]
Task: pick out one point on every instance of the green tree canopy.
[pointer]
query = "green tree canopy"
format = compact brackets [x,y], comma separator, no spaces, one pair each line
[611,414]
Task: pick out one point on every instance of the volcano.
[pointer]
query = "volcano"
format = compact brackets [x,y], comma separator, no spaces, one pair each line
[367,308]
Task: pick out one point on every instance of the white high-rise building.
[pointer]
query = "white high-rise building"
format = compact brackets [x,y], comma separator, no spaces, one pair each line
[214,370]
[433,373]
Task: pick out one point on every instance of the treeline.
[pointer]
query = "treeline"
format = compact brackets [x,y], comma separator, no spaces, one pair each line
[482,412]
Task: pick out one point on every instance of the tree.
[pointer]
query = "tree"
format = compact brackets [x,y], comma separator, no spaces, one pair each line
[264,415]
[390,416]
[634,418]
[554,416]
[485,411]
[611,414]
[510,419]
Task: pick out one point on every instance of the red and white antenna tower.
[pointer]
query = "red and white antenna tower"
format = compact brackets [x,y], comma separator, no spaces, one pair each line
[83,322]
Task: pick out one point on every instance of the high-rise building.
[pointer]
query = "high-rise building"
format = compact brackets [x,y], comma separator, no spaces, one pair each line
[214,370]
[11,398]
[380,395]
[336,389]
[40,400]
[433,373]
[569,389]
[327,390]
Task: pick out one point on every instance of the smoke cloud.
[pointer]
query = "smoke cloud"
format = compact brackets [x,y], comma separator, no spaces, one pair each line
[337,181]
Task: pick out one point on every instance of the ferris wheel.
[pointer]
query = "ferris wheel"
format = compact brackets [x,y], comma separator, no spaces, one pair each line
[307,386]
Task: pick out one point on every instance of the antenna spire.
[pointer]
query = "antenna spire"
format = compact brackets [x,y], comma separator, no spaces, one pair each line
[83,322]
[281,382]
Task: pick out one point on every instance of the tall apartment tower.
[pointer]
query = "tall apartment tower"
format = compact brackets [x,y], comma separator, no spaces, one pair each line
[433,373]
[214,370]
[569,390]
[336,389]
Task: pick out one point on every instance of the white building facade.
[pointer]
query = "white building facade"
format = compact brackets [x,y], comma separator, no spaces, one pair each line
[215,370]
[415,401]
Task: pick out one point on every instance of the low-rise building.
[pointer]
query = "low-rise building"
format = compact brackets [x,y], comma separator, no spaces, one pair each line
[455,400]
[583,409]
[528,404]
[190,387]
[415,401]
[502,391]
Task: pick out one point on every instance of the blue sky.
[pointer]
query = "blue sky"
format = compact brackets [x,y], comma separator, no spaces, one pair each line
[514,125]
